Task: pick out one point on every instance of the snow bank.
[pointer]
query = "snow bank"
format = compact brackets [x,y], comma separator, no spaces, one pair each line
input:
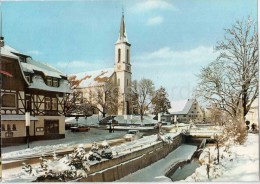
[240,163]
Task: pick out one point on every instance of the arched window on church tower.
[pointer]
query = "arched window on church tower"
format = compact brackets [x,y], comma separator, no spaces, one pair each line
[126,82]
[119,55]
[118,82]
[127,56]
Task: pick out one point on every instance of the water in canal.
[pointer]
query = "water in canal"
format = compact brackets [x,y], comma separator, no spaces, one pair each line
[186,170]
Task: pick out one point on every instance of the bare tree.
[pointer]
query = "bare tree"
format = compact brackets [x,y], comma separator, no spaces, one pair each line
[75,103]
[144,93]
[106,99]
[231,81]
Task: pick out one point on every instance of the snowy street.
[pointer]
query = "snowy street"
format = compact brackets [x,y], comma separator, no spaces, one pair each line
[37,148]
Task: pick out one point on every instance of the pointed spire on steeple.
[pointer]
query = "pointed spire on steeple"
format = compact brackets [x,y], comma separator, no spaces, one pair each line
[122,33]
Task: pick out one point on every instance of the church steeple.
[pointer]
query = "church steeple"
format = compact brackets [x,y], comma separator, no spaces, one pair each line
[123,74]
[122,33]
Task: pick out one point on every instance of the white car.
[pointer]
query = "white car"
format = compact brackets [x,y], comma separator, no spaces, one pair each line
[132,135]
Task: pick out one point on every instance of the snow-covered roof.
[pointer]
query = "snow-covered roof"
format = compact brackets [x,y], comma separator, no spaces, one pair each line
[32,66]
[92,78]
[16,117]
[7,52]
[38,83]
[181,106]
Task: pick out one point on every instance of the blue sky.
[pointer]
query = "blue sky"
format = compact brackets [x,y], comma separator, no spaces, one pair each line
[171,40]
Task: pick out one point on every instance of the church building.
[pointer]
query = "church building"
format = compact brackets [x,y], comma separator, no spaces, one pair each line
[119,77]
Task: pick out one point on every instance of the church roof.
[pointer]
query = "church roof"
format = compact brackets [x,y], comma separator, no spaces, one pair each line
[91,78]
[181,106]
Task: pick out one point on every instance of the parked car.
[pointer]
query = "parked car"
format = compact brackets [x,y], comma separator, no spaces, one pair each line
[80,128]
[132,135]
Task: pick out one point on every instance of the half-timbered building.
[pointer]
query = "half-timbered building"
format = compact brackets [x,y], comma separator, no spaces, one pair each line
[35,87]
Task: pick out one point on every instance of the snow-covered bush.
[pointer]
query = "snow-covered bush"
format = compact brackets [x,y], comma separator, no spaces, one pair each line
[106,151]
[70,166]
[94,153]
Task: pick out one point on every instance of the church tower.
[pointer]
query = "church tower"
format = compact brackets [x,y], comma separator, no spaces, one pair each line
[123,70]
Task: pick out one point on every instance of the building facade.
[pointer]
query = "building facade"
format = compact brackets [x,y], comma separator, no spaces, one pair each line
[119,77]
[31,86]
[252,115]
[184,111]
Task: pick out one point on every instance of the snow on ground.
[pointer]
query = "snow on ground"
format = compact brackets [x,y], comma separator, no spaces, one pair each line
[90,121]
[240,164]
[46,146]
[13,175]
[156,171]
[132,127]
[135,119]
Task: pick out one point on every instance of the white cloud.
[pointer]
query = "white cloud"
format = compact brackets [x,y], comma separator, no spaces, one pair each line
[77,66]
[155,20]
[168,57]
[148,5]
[34,52]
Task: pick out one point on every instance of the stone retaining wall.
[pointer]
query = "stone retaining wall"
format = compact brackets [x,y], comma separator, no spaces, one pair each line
[111,170]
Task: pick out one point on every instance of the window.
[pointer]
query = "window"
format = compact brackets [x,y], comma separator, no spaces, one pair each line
[14,127]
[55,83]
[127,56]
[54,103]
[28,102]
[8,127]
[9,134]
[49,81]
[28,78]
[118,82]
[47,103]
[184,116]
[51,127]
[3,127]
[119,55]
[126,82]
[8,100]
[22,59]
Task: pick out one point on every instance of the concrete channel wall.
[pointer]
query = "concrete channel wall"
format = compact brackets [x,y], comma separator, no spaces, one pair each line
[111,170]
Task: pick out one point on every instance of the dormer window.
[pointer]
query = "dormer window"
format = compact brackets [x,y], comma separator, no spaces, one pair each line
[22,59]
[28,78]
[52,82]
[49,81]
[55,82]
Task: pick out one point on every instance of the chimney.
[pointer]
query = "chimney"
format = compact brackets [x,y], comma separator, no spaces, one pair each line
[2,43]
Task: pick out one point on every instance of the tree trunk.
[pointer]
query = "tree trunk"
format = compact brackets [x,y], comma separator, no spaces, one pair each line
[103,114]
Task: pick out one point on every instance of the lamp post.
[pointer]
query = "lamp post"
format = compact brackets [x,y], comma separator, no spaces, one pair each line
[27,123]
[77,119]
